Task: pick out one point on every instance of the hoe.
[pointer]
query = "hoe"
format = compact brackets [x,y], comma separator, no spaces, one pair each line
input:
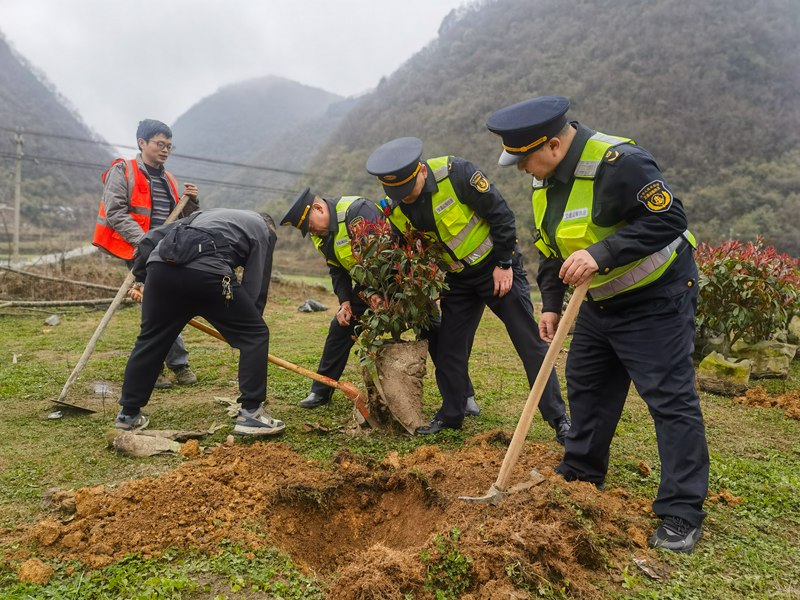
[500,489]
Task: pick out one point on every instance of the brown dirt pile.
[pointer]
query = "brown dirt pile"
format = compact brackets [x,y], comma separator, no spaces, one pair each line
[365,524]
[35,571]
[724,496]
[758,396]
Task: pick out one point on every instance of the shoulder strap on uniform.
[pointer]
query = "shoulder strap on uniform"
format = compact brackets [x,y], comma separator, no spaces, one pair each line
[440,171]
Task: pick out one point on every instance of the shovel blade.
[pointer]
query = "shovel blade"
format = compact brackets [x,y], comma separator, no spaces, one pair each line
[494,496]
[77,407]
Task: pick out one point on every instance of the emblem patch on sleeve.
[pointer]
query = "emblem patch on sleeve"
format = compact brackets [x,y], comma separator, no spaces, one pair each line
[655,196]
[356,221]
[479,182]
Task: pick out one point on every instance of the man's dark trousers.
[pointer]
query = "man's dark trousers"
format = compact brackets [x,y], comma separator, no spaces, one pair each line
[174,295]
[462,308]
[337,347]
[651,343]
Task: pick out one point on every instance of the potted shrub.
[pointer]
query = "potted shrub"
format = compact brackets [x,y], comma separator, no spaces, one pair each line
[402,278]
[748,294]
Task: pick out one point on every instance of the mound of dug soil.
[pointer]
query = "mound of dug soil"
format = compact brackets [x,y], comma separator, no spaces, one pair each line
[758,396]
[366,525]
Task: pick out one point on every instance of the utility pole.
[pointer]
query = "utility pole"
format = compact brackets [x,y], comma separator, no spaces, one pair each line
[17,196]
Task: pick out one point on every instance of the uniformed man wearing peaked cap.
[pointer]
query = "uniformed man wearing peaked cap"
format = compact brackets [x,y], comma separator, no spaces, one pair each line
[298,214]
[451,200]
[331,222]
[396,165]
[526,126]
[602,210]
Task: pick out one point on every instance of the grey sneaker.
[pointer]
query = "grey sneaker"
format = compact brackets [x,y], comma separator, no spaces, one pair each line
[162,383]
[676,534]
[257,422]
[134,423]
[472,410]
[185,376]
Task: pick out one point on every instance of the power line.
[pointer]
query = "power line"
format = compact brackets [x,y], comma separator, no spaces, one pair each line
[96,166]
[213,182]
[176,155]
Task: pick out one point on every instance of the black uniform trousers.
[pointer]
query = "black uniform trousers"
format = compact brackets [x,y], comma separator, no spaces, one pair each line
[337,347]
[462,308]
[651,343]
[173,296]
[340,340]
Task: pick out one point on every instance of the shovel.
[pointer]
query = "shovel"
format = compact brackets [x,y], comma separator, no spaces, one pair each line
[348,389]
[499,489]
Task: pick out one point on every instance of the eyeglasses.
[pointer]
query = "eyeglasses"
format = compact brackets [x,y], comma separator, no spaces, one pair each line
[164,146]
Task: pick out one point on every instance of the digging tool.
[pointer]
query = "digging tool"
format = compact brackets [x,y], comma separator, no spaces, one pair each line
[499,489]
[348,389]
[123,290]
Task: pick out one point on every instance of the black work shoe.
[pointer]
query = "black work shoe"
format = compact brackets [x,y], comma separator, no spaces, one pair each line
[676,534]
[561,425]
[313,400]
[434,426]
[473,410]
[572,476]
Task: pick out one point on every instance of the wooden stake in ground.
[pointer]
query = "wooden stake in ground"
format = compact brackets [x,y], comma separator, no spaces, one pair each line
[123,290]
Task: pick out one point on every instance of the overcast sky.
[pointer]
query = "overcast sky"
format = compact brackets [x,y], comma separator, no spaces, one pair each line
[120,62]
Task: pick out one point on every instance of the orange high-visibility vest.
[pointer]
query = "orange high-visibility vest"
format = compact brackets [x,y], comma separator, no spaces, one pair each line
[141,205]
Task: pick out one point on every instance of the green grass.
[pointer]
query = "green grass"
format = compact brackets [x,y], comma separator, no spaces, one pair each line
[232,573]
[750,551]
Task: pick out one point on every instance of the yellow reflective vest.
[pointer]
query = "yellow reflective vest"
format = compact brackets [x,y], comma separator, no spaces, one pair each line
[458,227]
[341,239]
[576,230]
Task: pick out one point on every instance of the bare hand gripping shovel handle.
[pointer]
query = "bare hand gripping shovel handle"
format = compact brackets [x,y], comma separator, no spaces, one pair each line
[126,285]
[499,489]
[347,388]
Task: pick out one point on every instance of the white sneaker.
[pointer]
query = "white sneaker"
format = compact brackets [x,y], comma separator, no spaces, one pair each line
[257,422]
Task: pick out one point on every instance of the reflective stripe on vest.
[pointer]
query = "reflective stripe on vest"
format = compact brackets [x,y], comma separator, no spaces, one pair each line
[341,239]
[458,227]
[649,265]
[576,230]
[140,206]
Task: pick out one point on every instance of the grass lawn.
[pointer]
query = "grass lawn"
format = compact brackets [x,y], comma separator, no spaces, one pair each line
[750,550]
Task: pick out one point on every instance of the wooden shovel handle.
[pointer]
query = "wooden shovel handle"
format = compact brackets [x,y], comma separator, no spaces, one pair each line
[515,448]
[273,359]
[348,389]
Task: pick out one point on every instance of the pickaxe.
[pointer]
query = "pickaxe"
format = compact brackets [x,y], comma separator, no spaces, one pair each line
[499,489]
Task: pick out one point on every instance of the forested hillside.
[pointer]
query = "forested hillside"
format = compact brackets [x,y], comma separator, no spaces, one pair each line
[710,88]
[60,175]
[269,122]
